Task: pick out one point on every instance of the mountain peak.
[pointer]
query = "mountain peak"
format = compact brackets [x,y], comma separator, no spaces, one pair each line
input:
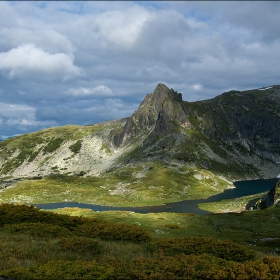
[154,114]
[161,88]
[162,91]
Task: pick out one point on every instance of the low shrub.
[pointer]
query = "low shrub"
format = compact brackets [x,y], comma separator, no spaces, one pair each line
[76,147]
[172,226]
[189,267]
[33,156]
[198,267]
[227,250]
[80,245]
[111,231]
[85,227]
[53,145]
[61,270]
[39,229]
[15,214]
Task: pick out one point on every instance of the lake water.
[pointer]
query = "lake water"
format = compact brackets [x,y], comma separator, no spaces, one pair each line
[242,188]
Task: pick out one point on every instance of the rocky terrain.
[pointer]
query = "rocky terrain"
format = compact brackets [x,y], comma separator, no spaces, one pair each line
[235,135]
[270,199]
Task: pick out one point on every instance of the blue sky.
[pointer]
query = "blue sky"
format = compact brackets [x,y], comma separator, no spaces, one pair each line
[86,62]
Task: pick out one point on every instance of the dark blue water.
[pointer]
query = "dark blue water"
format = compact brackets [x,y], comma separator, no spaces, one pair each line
[242,188]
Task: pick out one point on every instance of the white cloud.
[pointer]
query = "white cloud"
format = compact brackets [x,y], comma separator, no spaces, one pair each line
[28,59]
[19,117]
[100,90]
[25,122]
[121,27]
[50,40]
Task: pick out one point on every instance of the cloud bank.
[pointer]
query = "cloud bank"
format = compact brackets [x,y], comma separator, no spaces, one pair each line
[85,62]
[27,60]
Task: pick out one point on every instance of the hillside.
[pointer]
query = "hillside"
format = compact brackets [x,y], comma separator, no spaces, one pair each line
[168,150]
[42,245]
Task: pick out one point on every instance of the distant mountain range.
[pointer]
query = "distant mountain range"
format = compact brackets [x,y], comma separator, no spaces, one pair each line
[235,135]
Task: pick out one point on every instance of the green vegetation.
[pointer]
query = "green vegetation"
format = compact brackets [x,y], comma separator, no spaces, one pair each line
[52,145]
[256,229]
[38,229]
[133,185]
[76,147]
[43,245]
[230,205]
[227,250]
[15,151]
[183,163]
[33,156]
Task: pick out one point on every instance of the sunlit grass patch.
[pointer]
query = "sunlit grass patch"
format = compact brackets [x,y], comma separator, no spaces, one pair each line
[147,184]
[229,205]
[164,224]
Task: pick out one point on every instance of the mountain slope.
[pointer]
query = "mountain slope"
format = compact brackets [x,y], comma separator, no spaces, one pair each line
[244,126]
[235,134]
[69,149]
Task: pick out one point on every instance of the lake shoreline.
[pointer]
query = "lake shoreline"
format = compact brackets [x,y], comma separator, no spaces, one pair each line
[242,188]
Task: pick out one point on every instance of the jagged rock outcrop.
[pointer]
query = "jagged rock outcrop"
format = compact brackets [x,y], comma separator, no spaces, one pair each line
[155,116]
[270,199]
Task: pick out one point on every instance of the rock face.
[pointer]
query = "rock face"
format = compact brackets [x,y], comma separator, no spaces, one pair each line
[155,115]
[270,199]
[249,119]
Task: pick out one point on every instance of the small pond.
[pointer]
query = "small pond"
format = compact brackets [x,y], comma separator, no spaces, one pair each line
[242,188]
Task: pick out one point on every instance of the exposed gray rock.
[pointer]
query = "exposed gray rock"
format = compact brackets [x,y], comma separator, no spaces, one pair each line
[155,115]
[7,183]
[270,199]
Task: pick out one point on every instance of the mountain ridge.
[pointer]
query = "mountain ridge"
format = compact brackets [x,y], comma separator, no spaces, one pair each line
[234,135]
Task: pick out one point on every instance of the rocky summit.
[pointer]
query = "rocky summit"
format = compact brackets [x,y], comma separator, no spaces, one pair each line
[235,135]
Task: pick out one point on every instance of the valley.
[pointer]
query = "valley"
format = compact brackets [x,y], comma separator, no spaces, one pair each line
[167,153]
[169,150]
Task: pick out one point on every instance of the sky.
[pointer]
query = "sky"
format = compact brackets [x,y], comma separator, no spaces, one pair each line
[88,62]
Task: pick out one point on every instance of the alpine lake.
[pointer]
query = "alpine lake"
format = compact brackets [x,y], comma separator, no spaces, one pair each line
[242,189]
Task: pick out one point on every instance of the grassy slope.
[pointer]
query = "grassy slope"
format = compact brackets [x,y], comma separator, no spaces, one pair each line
[15,151]
[151,183]
[38,244]
[257,229]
